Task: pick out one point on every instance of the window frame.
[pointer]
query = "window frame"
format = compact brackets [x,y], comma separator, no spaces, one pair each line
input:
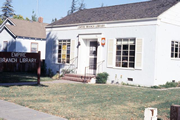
[37,47]
[128,56]
[60,54]
[5,49]
[173,50]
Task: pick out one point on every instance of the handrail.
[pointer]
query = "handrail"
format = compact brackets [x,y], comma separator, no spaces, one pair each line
[98,64]
[71,63]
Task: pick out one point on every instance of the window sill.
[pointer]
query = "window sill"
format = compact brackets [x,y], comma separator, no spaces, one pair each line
[120,68]
[178,59]
[62,63]
[123,68]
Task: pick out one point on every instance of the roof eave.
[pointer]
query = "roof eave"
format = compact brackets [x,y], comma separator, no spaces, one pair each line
[103,22]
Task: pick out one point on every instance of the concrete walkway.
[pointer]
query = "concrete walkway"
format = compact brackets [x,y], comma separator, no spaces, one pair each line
[11,111]
[60,81]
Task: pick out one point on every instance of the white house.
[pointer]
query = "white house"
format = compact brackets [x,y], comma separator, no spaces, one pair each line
[137,43]
[23,36]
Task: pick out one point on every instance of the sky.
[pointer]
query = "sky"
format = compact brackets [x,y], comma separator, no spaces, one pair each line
[50,9]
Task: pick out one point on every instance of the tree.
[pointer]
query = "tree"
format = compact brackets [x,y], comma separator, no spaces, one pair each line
[82,5]
[73,7]
[54,20]
[1,21]
[20,17]
[34,18]
[7,10]
[27,19]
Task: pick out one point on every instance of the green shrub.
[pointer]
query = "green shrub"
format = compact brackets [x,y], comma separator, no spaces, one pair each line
[50,73]
[169,84]
[156,87]
[102,78]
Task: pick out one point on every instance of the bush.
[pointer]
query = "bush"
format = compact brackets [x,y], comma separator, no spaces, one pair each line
[156,87]
[169,84]
[102,78]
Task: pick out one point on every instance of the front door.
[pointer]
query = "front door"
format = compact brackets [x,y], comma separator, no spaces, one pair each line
[92,57]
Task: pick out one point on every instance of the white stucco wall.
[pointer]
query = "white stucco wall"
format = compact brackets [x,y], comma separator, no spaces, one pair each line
[145,30]
[5,36]
[24,45]
[167,68]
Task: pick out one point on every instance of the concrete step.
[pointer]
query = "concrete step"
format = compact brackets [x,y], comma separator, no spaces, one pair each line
[80,76]
[75,79]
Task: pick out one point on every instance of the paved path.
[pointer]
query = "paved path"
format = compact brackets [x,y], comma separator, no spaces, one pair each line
[59,81]
[11,111]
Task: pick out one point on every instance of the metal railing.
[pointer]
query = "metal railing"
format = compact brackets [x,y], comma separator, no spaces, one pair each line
[93,69]
[71,66]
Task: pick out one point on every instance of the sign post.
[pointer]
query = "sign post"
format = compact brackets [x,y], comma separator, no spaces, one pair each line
[21,57]
[39,69]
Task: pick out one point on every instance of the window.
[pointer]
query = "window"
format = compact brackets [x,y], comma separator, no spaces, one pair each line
[34,47]
[5,44]
[175,49]
[64,51]
[125,52]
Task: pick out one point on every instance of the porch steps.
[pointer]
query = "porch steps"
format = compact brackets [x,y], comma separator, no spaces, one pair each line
[78,78]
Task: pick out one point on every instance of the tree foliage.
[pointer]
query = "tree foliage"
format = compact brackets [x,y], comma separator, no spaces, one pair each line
[75,8]
[82,5]
[34,17]
[7,10]
[54,20]
[1,21]
[20,17]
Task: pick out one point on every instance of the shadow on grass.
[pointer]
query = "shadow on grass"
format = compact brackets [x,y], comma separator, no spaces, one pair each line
[23,84]
[8,79]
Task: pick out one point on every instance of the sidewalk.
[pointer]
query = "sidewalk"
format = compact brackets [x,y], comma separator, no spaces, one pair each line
[11,111]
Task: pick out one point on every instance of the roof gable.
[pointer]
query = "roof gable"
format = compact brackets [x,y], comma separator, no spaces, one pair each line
[148,9]
[25,28]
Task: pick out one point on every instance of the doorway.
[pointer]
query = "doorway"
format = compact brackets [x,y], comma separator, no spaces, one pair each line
[92,57]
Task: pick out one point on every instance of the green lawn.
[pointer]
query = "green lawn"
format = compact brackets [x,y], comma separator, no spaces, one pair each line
[83,101]
[16,77]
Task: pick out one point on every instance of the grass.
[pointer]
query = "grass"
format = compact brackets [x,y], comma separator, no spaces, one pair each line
[16,77]
[101,102]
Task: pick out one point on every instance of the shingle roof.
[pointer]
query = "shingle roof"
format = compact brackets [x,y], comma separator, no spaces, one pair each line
[26,28]
[148,9]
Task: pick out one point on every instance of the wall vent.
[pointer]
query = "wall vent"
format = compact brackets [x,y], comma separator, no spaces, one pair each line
[130,79]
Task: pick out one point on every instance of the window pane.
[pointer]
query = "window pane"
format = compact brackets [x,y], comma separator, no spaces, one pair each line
[125,52]
[118,58]
[34,47]
[60,47]
[118,47]
[124,64]
[5,44]
[132,47]
[172,49]
[172,55]
[118,53]
[119,42]
[125,41]
[118,64]
[125,59]
[68,51]
[132,41]
[131,59]
[125,47]
[131,65]
[176,55]
[132,53]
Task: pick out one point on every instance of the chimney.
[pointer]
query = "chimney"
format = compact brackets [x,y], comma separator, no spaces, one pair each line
[40,20]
